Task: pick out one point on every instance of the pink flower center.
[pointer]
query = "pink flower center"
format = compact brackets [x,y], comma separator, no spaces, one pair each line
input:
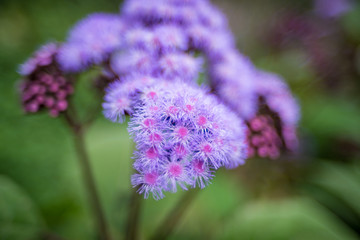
[121,103]
[202,120]
[207,148]
[151,153]
[169,63]
[175,169]
[199,166]
[173,110]
[150,178]
[189,107]
[154,108]
[152,95]
[182,132]
[149,122]
[154,137]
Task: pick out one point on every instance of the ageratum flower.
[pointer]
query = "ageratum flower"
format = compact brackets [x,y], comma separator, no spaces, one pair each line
[273,129]
[91,41]
[182,135]
[44,86]
[232,78]
[121,96]
[151,13]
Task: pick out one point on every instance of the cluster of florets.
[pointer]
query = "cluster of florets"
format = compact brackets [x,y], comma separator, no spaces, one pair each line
[91,42]
[273,129]
[182,136]
[153,55]
[173,40]
[44,85]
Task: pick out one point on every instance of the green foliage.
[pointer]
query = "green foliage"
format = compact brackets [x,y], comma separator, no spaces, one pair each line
[19,217]
[297,218]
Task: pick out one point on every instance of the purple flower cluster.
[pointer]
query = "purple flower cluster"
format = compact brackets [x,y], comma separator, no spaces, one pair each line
[153,56]
[273,129]
[44,85]
[169,43]
[162,41]
[91,41]
[182,135]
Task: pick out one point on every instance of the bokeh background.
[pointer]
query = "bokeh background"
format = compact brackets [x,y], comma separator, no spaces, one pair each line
[314,194]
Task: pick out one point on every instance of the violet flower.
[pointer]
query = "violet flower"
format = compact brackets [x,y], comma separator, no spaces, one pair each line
[44,86]
[182,135]
[273,129]
[91,41]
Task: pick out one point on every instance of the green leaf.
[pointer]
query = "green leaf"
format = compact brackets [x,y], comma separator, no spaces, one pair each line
[297,218]
[19,218]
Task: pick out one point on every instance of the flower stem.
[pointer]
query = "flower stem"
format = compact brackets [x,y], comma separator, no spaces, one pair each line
[78,136]
[173,218]
[133,216]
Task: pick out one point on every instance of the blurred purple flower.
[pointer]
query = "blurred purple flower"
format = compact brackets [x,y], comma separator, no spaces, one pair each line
[44,85]
[273,129]
[332,8]
[91,41]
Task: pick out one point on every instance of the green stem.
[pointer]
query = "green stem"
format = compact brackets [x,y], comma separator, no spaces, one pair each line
[173,218]
[78,136]
[133,216]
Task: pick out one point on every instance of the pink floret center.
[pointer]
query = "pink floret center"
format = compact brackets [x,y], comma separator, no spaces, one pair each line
[202,120]
[182,132]
[152,95]
[199,166]
[150,178]
[173,109]
[155,137]
[175,170]
[189,107]
[207,148]
[151,153]
[149,122]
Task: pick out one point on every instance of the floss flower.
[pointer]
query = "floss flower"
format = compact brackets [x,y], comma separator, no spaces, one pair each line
[182,136]
[91,41]
[44,86]
[273,129]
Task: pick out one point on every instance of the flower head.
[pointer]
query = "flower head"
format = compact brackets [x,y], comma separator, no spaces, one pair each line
[44,86]
[184,134]
[91,41]
[273,129]
[42,57]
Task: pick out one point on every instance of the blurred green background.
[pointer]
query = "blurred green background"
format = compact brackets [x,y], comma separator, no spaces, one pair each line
[313,195]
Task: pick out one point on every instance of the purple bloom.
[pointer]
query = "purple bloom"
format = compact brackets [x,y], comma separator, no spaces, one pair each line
[332,8]
[170,37]
[179,65]
[263,138]
[148,12]
[120,96]
[149,182]
[273,129]
[44,85]
[211,16]
[277,96]
[183,135]
[199,37]
[233,80]
[91,41]
[133,61]
[42,57]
